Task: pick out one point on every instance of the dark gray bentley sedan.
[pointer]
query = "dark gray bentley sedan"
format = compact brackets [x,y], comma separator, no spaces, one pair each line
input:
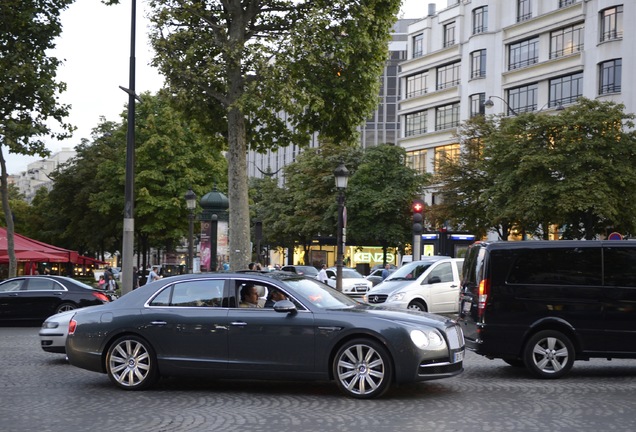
[262,326]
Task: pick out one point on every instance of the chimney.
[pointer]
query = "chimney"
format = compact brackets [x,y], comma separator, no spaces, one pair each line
[431,9]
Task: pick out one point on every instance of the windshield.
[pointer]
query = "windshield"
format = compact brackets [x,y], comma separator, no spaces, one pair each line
[411,270]
[320,295]
[351,274]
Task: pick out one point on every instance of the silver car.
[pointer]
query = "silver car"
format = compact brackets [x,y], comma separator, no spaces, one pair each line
[429,285]
[54,331]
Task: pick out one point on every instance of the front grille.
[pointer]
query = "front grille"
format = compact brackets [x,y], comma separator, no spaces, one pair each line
[455,337]
[377,298]
[360,288]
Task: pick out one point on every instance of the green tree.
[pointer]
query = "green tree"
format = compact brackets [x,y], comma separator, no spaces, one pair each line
[379,198]
[28,89]
[235,65]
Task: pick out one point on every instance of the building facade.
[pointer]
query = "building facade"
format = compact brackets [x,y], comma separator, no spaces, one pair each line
[521,55]
[37,174]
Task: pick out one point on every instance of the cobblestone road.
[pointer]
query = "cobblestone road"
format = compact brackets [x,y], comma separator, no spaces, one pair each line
[40,392]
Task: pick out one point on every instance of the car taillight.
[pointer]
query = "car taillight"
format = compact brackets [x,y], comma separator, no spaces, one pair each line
[484,290]
[103,297]
[72,325]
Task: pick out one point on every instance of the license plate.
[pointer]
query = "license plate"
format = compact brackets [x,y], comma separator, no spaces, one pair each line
[466,307]
[458,356]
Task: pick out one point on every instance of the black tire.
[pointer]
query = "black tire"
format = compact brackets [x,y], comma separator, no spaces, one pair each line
[549,354]
[131,363]
[64,307]
[363,369]
[418,305]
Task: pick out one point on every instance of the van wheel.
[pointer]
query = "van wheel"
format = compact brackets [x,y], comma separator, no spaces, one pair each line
[417,305]
[549,354]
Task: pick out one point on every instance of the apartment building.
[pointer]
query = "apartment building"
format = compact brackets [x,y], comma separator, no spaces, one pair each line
[37,174]
[508,56]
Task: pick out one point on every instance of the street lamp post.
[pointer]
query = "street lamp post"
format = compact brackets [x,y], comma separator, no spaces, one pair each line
[489,104]
[341,175]
[191,203]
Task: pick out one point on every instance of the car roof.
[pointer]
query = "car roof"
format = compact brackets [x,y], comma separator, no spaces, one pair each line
[543,244]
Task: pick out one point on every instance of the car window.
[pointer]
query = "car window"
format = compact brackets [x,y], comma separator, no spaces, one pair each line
[43,285]
[410,271]
[199,293]
[558,266]
[443,271]
[620,266]
[12,285]
[331,273]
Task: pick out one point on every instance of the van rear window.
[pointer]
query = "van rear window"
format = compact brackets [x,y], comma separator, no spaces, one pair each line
[558,266]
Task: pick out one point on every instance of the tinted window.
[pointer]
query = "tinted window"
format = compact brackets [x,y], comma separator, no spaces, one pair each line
[620,266]
[12,285]
[43,285]
[567,266]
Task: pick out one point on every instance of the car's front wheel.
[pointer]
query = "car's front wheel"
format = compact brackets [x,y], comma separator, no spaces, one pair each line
[131,363]
[417,305]
[549,354]
[363,369]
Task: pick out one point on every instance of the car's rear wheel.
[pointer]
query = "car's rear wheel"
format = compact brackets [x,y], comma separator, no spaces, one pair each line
[549,354]
[131,363]
[417,305]
[363,369]
[64,307]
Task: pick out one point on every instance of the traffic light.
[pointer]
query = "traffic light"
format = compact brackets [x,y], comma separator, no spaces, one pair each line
[418,209]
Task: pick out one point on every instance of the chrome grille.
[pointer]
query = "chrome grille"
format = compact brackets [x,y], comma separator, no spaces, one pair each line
[376,298]
[455,337]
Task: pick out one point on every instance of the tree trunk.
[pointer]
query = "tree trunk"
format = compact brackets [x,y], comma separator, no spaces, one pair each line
[8,216]
[239,227]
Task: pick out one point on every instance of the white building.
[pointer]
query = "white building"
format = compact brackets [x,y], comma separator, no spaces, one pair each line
[37,174]
[523,55]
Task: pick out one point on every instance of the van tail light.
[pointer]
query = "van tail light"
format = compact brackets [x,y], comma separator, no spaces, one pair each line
[484,290]
[72,325]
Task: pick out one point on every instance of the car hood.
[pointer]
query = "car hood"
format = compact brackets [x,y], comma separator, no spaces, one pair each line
[388,286]
[404,315]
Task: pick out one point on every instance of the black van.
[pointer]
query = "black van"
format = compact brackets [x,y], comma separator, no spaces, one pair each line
[544,304]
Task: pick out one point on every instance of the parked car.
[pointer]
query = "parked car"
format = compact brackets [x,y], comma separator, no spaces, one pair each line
[430,285]
[191,325]
[544,304]
[54,332]
[375,277]
[310,271]
[35,298]
[353,283]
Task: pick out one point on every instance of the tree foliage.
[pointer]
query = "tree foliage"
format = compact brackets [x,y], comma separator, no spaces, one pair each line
[236,65]
[28,89]
[575,170]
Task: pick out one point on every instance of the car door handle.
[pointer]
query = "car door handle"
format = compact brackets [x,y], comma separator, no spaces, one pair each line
[239,323]
[158,323]
[453,286]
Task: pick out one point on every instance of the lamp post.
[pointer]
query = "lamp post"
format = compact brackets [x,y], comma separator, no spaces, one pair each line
[341,175]
[489,104]
[191,203]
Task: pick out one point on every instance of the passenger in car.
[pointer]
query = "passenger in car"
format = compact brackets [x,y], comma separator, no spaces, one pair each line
[274,296]
[249,297]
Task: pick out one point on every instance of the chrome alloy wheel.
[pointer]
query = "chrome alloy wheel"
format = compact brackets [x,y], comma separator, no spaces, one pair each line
[362,370]
[130,363]
[550,355]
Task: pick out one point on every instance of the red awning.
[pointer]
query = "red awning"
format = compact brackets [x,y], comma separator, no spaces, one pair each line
[27,249]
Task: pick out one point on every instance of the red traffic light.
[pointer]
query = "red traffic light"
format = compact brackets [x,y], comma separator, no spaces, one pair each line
[418,206]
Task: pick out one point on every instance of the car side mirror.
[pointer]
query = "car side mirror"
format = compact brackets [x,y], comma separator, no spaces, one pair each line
[285,306]
[434,280]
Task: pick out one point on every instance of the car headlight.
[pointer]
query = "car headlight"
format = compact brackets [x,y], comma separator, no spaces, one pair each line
[396,297]
[424,339]
[50,325]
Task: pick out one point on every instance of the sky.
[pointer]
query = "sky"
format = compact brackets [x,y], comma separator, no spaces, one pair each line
[95,50]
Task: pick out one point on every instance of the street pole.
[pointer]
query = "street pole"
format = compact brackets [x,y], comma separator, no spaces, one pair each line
[190,241]
[339,246]
[128,239]
[214,233]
